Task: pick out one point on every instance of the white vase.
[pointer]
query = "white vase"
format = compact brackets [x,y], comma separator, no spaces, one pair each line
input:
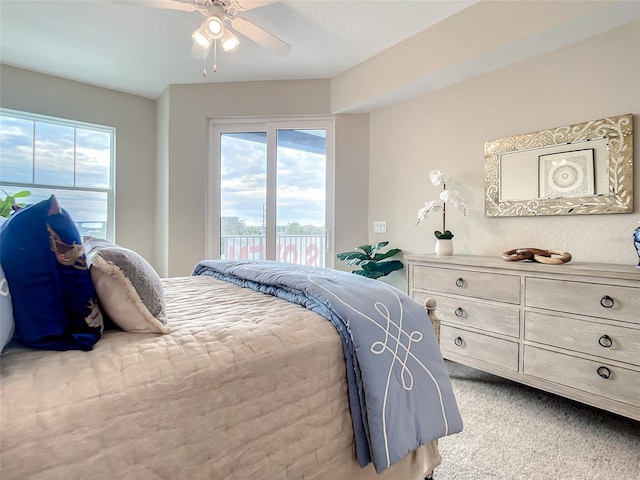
[444,246]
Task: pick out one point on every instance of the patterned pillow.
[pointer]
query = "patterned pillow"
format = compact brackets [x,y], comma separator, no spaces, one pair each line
[129,289]
[54,303]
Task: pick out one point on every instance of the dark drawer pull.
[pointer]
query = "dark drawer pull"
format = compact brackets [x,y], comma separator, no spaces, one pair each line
[604,372]
[460,282]
[605,341]
[607,301]
[458,342]
[459,312]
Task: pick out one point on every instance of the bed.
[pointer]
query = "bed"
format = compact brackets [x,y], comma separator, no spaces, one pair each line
[243,385]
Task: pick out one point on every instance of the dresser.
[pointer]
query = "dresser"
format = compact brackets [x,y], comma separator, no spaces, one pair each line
[571,329]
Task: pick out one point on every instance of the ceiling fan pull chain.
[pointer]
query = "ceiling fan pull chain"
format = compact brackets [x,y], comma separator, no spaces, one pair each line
[215,55]
[204,64]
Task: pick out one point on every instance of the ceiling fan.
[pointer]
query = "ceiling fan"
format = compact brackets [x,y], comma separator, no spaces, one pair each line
[220,22]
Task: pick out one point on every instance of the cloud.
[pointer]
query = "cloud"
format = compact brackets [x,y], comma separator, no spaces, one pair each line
[43,153]
[301,170]
[301,182]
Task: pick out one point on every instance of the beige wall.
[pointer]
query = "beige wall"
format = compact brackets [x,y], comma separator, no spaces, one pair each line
[135,121]
[162,184]
[593,79]
[190,108]
[382,159]
[161,153]
[466,44]
[352,183]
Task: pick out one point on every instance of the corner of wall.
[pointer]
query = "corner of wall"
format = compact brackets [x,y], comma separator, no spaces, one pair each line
[162,184]
[352,181]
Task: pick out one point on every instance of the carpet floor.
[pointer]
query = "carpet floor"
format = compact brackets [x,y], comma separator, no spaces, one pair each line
[513,432]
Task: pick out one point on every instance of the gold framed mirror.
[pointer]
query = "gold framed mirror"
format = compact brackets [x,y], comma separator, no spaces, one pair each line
[585,168]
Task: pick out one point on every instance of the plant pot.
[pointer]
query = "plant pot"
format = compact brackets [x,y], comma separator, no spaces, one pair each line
[444,246]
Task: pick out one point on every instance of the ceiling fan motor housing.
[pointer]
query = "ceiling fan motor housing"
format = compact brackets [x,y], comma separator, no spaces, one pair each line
[214,27]
[220,23]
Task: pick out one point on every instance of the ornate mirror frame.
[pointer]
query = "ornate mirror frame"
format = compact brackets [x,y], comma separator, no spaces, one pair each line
[618,133]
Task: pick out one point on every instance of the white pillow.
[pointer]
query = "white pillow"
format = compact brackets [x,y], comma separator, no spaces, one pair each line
[6,308]
[6,311]
[129,289]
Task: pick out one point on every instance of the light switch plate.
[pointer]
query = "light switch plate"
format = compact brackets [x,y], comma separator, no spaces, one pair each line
[379,227]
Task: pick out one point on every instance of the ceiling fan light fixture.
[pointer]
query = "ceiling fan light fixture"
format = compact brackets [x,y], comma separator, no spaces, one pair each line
[201,39]
[214,27]
[229,40]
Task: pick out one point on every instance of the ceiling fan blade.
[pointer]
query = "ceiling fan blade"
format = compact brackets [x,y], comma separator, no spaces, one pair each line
[260,36]
[242,5]
[164,4]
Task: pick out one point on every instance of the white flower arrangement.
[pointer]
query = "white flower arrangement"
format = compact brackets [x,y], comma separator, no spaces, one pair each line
[452,197]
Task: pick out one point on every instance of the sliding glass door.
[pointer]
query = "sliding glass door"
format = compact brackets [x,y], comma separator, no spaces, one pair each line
[271,195]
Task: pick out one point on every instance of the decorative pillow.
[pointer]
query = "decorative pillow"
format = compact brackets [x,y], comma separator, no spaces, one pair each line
[6,310]
[55,306]
[129,289]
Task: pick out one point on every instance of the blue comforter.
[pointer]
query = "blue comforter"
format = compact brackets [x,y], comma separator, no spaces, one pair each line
[399,390]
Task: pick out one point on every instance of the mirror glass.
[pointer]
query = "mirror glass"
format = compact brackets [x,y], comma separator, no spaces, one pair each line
[585,168]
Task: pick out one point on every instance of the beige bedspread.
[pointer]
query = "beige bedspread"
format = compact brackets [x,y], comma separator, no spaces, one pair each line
[245,386]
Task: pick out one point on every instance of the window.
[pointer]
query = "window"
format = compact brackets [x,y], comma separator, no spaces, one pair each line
[72,160]
[271,191]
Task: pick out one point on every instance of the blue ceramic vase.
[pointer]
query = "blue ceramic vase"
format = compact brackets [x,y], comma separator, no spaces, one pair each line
[636,243]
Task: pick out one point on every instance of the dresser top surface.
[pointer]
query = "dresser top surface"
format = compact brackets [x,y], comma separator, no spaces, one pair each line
[627,272]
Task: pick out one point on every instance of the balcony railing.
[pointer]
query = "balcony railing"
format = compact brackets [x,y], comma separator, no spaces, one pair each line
[297,249]
[95,229]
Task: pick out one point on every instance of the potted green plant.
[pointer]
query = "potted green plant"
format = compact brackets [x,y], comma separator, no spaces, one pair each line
[6,204]
[373,263]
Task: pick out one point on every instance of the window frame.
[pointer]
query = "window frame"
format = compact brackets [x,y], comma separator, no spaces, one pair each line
[270,125]
[51,120]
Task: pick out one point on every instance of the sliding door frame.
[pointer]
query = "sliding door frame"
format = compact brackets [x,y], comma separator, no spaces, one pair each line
[270,125]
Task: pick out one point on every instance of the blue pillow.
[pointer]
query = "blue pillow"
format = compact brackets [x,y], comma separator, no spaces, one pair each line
[6,310]
[54,303]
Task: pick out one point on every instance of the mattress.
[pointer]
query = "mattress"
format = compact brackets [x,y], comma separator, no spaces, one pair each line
[245,385]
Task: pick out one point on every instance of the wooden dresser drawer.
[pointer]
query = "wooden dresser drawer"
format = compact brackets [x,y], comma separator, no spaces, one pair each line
[488,286]
[622,384]
[542,325]
[590,337]
[493,318]
[483,347]
[584,298]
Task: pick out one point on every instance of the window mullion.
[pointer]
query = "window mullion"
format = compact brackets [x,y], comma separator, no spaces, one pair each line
[85,199]
[33,152]
[271,192]
[75,163]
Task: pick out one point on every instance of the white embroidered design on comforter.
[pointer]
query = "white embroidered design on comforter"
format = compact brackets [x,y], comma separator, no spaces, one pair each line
[400,393]
[246,385]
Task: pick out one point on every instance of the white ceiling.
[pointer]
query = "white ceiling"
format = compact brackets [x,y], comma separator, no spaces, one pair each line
[142,50]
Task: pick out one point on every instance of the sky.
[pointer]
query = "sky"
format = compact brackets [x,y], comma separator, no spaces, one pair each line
[301,182]
[49,160]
